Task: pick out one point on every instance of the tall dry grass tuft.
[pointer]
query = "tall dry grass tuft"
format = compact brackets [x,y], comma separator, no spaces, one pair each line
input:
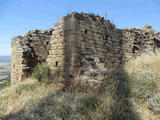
[144,73]
[148,61]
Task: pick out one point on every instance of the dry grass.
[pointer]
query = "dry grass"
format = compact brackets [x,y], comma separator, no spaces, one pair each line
[145,70]
[28,92]
[124,96]
[144,74]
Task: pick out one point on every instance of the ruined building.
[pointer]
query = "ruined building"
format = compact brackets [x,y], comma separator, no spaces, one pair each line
[27,51]
[81,47]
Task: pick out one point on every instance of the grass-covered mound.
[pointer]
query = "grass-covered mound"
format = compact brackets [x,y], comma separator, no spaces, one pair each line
[128,93]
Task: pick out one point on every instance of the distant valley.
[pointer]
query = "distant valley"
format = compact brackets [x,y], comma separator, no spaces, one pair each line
[5,59]
[5,69]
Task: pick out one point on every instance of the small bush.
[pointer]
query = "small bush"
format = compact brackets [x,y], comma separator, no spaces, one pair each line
[7,83]
[93,16]
[148,26]
[43,74]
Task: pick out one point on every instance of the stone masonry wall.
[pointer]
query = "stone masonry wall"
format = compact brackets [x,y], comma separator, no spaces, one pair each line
[82,47]
[139,41]
[85,47]
[28,51]
[99,47]
[64,54]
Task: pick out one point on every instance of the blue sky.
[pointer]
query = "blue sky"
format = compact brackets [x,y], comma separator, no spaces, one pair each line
[20,16]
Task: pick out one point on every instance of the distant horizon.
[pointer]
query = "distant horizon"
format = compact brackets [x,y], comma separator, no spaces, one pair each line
[5,59]
[5,55]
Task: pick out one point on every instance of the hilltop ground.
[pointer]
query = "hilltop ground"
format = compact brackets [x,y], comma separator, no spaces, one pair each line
[128,93]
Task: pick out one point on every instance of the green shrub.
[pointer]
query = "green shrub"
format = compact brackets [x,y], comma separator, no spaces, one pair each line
[7,83]
[43,74]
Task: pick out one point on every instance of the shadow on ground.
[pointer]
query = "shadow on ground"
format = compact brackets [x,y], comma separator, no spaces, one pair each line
[111,102]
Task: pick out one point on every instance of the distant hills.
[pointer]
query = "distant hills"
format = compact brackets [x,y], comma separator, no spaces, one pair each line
[5,59]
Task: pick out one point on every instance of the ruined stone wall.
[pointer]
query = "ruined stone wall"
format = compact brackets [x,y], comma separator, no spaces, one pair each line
[85,47]
[138,41]
[81,47]
[27,51]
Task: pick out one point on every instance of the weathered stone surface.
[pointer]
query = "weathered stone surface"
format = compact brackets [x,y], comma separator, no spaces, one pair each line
[27,51]
[82,46]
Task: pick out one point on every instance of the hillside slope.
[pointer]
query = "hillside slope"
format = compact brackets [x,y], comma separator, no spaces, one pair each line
[127,93]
